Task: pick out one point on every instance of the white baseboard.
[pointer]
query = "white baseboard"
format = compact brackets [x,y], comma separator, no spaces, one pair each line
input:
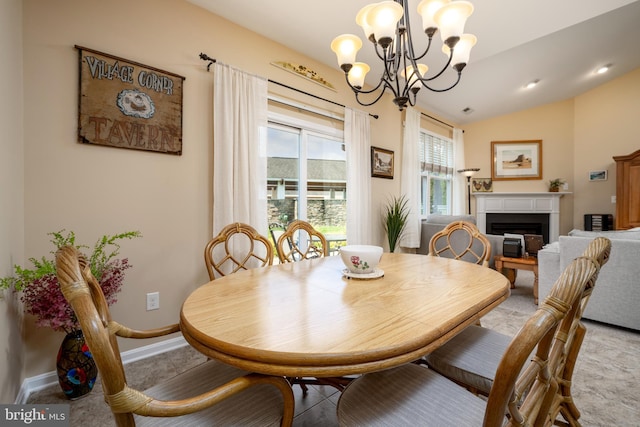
[38,382]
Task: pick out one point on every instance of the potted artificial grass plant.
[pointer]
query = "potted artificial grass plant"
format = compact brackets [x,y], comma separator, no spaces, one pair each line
[395,219]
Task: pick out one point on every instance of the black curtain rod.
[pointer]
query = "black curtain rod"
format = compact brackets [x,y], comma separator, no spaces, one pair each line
[206,57]
[439,121]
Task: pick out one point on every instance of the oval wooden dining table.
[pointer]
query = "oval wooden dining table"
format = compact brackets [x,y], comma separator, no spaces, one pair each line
[307,319]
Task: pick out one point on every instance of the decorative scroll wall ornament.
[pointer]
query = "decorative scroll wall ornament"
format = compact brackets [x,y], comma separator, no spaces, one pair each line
[128,105]
[305,72]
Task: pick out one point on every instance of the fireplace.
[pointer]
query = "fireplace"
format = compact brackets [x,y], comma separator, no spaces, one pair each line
[528,204]
[518,223]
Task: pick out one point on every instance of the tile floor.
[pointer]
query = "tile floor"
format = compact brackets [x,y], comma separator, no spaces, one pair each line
[606,381]
[317,409]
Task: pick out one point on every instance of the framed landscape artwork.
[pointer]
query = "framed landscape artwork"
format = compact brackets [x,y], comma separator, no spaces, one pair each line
[516,160]
[598,175]
[381,163]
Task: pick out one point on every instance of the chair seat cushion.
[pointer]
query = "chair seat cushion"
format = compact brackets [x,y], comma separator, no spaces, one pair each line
[410,395]
[471,357]
[259,405]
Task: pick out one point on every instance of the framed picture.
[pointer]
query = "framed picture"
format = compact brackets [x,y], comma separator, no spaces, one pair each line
[381,163]
[481,185]
[598,175]
[516,160]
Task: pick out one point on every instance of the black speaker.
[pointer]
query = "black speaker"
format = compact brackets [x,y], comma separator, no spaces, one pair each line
[512,248]
[594,222]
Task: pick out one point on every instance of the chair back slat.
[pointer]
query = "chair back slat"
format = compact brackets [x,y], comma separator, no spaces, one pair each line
[461,240]
[569,338]
[301,241]
[527,396]
[237,247]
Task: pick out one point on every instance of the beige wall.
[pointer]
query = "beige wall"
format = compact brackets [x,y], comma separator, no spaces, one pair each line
[578,135]
[606,123]
[96,190]
[553,124]
[11,195]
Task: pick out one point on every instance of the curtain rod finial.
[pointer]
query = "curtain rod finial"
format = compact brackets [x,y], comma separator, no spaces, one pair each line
[206,57]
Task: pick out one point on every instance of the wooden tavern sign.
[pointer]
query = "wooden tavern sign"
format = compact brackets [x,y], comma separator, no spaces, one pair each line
[128,105]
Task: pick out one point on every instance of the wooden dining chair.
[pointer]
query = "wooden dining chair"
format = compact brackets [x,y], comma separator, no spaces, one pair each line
[563,403]
[461,240]
[472,357]
[301,241]
[276,230]
[237,247]
[519,396]
[211,393]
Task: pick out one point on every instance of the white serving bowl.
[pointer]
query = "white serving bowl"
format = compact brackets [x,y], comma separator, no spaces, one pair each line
[361,259]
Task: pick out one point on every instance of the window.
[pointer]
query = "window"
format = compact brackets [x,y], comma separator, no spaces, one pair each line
[307,175]
[436,174]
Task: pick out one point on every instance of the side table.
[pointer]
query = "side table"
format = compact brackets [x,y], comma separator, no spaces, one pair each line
[526,263]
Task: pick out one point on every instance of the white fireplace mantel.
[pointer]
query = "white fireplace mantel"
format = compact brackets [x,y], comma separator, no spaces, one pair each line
[520,203]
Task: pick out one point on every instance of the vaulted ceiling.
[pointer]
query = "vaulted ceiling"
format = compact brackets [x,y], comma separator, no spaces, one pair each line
[559,43]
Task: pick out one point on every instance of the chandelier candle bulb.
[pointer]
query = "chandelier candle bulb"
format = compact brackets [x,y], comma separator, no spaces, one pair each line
[462,51]
[451,19]
[414,76]
[346,47]
[383,19]
[357,74]
[427,9]
[361,20]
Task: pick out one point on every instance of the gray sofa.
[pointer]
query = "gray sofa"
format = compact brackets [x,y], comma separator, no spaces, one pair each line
[616,298]
[434,223]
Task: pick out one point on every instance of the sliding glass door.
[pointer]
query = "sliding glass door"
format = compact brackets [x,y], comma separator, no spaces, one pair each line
[306,177]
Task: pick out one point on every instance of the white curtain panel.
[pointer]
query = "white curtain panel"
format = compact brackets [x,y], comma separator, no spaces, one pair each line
[409,181]
[239,148]
[459,180]
[357,138]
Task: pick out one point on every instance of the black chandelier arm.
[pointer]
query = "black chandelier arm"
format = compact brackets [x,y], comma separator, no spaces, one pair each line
[409,41]
[417,58]
[381,55]
[359,90]
[372,102]
[425,80]
[446,89]
[385,84]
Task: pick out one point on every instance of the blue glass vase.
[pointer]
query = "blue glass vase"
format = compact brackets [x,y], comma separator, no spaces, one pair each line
[77,371]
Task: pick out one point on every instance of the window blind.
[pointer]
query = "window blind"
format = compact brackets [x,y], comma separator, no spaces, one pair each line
[436,154]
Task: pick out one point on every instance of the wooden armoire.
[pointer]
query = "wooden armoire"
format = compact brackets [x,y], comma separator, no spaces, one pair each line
[627,191]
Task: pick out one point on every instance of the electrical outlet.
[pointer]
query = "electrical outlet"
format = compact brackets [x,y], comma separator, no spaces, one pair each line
[613,199]
[153,301]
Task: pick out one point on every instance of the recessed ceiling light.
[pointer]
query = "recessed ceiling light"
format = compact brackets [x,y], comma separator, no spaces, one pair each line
[603,69]
[532,84]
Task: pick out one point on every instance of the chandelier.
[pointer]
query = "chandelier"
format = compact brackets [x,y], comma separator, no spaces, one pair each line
[386,25]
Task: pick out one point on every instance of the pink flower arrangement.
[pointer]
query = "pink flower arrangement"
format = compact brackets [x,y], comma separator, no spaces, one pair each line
[41,293]
[44,300]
